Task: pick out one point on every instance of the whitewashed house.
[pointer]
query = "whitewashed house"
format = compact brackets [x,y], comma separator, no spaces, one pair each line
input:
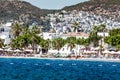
[5,32]
[73,34]
[47,35]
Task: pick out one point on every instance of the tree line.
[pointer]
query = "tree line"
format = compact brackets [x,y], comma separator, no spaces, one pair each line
[25,37]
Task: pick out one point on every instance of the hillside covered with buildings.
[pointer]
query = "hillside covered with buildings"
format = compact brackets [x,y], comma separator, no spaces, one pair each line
[24,11]
[74,29]
[107,8]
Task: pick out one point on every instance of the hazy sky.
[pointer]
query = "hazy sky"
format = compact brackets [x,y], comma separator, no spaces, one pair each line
[53,4]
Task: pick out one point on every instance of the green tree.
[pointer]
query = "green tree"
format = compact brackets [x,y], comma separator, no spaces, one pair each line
[57,20]
[25,29]
[58,43]
[24,40]
[71,41]
[82,41]
[114,32]
[14,44]
[86,42]
[117,47]
[101,28]
[45,44]
[113,40]
[16,29]
[75,25]
[35,39]
[35,29]
[94,37]
[1,43]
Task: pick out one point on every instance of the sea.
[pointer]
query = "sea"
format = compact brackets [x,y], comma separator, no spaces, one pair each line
[46,69]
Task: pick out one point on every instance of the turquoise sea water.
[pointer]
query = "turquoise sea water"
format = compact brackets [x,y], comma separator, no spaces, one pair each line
[39,69]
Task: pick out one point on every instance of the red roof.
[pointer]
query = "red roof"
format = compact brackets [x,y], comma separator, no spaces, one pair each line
[74,34]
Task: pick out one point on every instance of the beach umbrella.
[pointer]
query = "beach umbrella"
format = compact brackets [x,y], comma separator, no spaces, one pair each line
[17,50]
[106,51]
[97,48]
[118,52]
[28,50]
[1,49]
[93,51]
[113,52]
[53,51]
[64,53]
[87,52]
[9,50]
[92,48]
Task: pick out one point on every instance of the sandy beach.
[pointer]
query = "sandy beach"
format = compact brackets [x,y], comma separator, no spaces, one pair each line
[83,59]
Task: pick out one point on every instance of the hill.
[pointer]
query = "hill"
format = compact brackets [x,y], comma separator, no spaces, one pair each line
[107,8]
[24,11]
[20,10]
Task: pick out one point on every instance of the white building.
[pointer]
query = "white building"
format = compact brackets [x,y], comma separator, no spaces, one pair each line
[47,35]
[103,34]
[5,32]
[73,34]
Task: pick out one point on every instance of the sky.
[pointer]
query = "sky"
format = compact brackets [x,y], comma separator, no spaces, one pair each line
[53,4]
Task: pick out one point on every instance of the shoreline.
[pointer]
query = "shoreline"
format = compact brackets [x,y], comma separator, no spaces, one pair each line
[82,59]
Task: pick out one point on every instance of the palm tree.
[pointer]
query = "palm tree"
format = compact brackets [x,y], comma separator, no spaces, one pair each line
[45,44]
[16,29]
[24,40]
[75,25]
[117,47]
[101,48]
[101,28]
[58,43]
[94,37]
[86,42]
[1,43]
[71,41]
[26,30]
[13,43]
[35,29]
[35,39]
[80,41]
